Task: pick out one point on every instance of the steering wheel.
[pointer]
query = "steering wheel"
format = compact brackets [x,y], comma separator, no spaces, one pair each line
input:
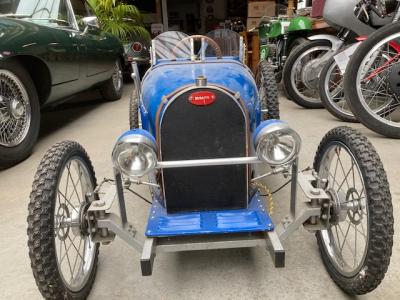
[210,42]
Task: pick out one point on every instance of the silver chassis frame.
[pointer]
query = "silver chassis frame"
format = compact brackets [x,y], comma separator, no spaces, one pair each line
[104,225]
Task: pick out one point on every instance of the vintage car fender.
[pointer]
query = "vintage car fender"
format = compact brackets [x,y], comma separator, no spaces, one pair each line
[55,55]
[171,76]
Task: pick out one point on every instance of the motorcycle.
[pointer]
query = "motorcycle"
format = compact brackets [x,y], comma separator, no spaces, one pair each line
[302,70]
[371,81]
[331,78]
[279,36]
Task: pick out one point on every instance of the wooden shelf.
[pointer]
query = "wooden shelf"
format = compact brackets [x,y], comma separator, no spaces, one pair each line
[252,55]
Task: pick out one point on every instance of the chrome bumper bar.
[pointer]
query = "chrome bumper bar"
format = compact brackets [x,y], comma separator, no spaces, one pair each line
[208,162]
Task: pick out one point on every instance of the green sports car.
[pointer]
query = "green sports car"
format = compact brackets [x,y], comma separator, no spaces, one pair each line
[49,51]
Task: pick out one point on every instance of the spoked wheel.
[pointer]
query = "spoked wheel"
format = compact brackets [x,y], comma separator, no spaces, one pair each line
[63,256]
[268,91]
[301,73]
[372,82]
[19,113]
[111,90]
[357,244]
[332,92]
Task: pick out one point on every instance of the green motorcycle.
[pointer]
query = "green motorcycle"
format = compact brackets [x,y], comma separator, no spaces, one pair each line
[279,36]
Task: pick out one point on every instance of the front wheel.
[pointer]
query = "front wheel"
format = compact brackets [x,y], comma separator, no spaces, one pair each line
[332,92]
[372,81]
[301,73]
[111,90]
[357,245]
[63,256]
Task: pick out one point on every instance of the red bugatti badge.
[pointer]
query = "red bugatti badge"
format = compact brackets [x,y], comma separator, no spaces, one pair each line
[202,98]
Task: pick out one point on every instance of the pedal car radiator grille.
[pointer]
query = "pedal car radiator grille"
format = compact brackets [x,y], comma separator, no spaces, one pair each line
[216,130]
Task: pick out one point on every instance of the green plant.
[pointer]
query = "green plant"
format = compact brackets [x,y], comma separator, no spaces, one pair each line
[122,20]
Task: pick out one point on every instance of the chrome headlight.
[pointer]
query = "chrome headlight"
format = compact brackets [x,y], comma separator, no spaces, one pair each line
[135,153]
[276,143]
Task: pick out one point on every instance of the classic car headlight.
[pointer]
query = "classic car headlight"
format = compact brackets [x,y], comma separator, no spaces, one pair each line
[276,143]
[135,153]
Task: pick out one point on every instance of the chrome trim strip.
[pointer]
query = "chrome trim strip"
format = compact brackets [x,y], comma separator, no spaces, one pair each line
[208,162]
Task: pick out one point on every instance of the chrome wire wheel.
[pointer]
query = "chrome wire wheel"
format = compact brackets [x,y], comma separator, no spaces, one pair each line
[15,110]
[117,77]
[334,90]
[305,74]
[357,239]
[74,248]
[347,236]
[377,80]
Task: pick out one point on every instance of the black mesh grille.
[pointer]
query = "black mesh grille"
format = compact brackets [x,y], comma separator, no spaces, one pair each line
[202,132]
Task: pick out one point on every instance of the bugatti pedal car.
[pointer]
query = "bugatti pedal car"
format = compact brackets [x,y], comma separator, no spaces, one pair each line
[206,139]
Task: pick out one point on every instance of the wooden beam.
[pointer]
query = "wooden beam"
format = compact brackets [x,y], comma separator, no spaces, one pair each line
[291,7]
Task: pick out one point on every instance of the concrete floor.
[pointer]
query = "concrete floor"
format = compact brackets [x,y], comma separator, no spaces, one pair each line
[221,274]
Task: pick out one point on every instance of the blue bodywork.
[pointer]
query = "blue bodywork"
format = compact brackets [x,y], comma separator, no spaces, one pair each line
[167,77]
[254,218]
[163,80]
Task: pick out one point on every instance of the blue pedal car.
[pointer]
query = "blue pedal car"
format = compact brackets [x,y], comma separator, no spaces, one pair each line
[205,138]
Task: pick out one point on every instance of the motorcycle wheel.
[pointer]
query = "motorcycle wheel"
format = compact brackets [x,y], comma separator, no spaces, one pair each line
[371,82]
[296,42]
[268,91]
[332,92]
[303,90]
[357,244]
[63,256]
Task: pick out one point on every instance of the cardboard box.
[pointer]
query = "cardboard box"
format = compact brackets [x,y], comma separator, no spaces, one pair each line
[261,8]
[252,23]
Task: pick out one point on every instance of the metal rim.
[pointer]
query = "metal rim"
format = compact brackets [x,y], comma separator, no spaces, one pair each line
[334,90]
[75,251]
[375,94]
[15,110]
[298,85]
[117,76]
[342,244]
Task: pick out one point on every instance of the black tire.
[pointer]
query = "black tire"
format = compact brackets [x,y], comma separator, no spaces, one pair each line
[325,97]
[133,111]
[296,42]
[41,211]
[112,91]
[379,244]
[265,79]
[11,155]
[368,119]
[288,69]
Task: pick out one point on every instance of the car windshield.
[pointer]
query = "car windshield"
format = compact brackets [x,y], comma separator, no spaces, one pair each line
[43,11]
[172,45]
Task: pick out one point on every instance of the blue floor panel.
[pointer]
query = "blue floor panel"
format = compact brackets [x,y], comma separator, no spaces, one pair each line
[254,218]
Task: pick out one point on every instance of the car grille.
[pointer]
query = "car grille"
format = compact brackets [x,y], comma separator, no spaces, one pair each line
[188,132]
